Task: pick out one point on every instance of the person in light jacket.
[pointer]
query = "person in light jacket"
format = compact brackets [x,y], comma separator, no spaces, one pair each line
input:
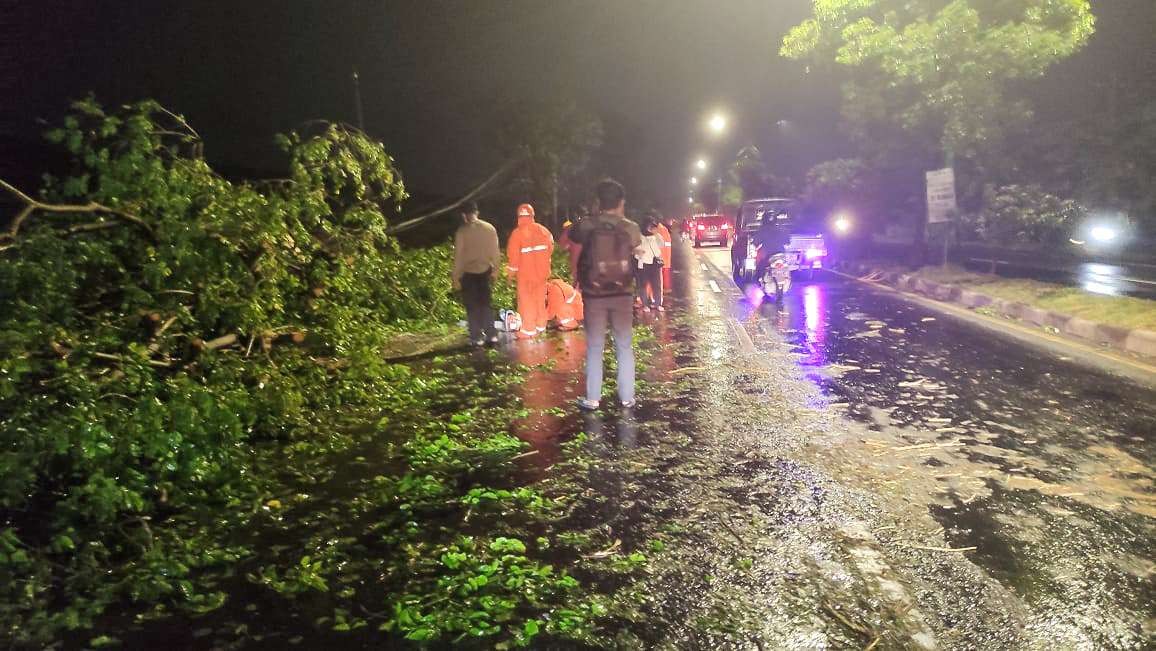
[650,262]
[476,258]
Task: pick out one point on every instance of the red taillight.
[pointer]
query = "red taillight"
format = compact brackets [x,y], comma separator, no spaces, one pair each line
[778,264]
[701,227]
[726,226]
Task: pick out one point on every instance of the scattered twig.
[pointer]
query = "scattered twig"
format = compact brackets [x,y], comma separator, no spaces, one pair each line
[524,454]
[862,630]
[156,344]
[925,446]
[726,525]
[219,342]
[121,358]
[609,551]
[936,549]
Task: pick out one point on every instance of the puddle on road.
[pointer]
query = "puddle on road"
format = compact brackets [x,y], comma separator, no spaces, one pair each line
[967,449]
[806,529]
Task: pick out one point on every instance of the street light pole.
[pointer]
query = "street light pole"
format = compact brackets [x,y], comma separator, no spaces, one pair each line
[357,100]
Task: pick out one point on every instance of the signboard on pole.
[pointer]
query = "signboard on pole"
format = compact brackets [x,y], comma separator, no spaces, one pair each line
[940,195]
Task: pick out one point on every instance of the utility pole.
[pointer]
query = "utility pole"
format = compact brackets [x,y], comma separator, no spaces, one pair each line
[357,100]
[554,200]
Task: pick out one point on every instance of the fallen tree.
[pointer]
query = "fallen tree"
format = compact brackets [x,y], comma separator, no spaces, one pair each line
[156,320]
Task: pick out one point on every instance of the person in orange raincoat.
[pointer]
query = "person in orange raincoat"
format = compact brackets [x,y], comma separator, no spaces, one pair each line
[664,232]
[528,253]
[563,304]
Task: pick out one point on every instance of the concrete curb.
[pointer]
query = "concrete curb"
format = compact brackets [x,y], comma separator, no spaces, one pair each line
[1138,342]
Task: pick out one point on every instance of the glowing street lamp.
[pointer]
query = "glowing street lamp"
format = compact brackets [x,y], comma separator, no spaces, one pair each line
[690,199]
[700,163]
[717,123]
[843,224]
[694,180]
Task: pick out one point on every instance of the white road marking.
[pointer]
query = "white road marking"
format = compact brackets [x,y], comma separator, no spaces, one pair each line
[744,338]
[714,287]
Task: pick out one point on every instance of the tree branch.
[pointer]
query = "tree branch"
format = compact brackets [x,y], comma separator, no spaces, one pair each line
[410,223]
[31,205]
[180,121]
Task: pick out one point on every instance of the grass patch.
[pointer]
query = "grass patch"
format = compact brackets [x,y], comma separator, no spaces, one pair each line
[1120,311]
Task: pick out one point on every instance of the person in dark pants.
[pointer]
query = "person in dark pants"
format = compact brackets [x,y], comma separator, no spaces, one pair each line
[650,261]
[476,258]
[610,245]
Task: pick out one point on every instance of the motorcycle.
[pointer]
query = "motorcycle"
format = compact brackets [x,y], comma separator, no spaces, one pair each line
[776,279]
[773,278]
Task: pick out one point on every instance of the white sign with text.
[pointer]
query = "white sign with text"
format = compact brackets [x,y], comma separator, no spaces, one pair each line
[940,195]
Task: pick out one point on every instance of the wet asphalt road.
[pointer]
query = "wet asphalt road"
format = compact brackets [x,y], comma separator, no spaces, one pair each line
[851,470]
[1039,470]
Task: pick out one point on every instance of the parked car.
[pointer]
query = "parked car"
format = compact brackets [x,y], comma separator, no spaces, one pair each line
[710,228]
[766,227]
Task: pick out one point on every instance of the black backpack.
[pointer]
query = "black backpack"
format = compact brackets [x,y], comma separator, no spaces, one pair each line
[605,267]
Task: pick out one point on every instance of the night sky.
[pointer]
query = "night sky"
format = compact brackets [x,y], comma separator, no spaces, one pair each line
[434,75]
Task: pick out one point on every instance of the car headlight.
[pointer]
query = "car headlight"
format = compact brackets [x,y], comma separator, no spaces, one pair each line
[1104,233]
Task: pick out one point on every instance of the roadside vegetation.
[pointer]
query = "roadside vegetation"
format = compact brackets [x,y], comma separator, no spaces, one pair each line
[1119,311]
[199,422]
[976,86]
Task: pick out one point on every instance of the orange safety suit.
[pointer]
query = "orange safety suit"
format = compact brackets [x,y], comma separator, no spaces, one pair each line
[563,304]
[664,233]
[528,252]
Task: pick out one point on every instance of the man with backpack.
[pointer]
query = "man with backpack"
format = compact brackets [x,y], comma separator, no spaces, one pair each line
[609,244]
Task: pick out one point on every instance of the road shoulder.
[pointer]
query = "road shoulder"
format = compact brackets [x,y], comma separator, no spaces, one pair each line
[963,308]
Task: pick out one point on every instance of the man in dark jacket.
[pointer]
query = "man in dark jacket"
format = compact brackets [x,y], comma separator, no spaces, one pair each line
[610,242]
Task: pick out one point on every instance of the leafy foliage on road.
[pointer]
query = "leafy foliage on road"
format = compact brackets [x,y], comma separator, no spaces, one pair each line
[149,343]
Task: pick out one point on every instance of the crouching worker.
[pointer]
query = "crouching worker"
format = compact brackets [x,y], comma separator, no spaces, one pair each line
[563,304]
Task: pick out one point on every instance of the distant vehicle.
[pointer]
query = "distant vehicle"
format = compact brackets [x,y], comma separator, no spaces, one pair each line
[767,227]
[710,228]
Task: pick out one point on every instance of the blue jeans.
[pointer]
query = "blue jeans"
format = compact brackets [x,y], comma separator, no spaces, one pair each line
[617,312]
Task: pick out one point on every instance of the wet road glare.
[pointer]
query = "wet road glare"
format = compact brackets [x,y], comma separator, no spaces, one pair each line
[850,470]
[1034,470]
